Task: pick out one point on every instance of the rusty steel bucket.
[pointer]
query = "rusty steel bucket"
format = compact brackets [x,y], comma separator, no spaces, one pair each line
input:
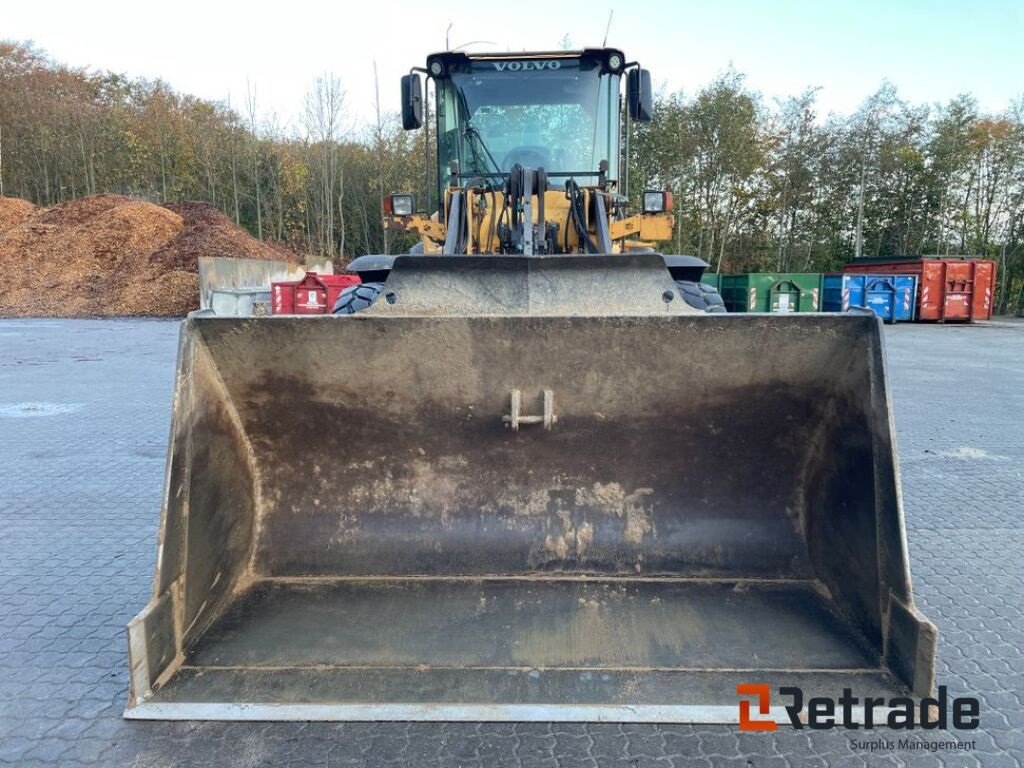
[509,491]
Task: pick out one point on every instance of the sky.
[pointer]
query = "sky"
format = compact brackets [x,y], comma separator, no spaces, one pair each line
[931,51]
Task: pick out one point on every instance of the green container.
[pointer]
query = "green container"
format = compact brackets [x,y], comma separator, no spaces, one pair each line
[714,279]
[772,292]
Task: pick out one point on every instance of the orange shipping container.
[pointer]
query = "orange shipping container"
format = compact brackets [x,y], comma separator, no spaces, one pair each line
[950,288]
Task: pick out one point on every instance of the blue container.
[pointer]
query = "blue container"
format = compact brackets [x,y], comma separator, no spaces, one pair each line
[892,297]
[832,292]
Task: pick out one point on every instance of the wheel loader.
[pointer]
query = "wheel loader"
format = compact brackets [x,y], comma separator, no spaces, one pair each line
[522,478]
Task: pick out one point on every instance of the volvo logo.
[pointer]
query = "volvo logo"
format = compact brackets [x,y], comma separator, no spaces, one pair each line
[526,66]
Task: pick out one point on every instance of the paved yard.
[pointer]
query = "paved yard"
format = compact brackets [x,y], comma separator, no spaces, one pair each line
[84,413]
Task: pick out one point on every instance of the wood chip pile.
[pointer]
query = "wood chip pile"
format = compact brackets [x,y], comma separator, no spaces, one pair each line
[112,256]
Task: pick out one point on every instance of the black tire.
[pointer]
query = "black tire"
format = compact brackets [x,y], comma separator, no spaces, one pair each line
[713,297]
[700,296]
[356,298]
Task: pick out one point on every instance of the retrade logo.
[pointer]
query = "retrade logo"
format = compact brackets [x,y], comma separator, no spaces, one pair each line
[763,694]
[852,712]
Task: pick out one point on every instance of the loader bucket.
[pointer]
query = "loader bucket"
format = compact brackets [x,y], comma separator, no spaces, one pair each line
[526,516]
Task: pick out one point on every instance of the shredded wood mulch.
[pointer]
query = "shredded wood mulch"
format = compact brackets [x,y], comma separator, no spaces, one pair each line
[109,255]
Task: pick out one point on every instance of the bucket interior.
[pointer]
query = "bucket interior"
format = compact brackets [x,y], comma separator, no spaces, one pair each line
[367,536]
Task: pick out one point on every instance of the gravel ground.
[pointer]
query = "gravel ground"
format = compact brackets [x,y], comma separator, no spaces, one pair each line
[84,414]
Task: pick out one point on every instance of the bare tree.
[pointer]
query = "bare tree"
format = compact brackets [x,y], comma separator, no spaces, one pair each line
[380,150]
[251,105]
[233,138]
[323,122]
[341,212]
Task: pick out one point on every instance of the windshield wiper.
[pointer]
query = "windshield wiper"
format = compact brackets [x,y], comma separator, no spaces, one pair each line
[471,132]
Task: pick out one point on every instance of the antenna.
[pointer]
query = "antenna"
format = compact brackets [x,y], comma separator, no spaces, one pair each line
[450,25]
[608,27]
[473,42]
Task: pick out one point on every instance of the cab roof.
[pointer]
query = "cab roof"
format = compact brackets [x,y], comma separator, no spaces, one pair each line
[448,58]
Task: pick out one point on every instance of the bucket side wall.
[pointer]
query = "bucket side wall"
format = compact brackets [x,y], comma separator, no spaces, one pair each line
[207,524]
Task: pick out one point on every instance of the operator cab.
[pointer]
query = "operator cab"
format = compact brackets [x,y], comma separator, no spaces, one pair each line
[559,113]
[553,110]
[528,155]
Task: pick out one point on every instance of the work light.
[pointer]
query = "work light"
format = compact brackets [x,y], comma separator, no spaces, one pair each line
[657,201]
[399,205]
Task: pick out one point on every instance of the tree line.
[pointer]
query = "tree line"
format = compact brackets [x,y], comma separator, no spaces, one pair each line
[67,132]
[759,184]
[777,186]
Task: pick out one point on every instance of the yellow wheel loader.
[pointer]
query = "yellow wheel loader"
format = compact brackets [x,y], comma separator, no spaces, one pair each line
[523,478]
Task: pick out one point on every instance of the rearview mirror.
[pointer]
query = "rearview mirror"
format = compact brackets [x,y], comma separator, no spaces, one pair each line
[412,102]
[639,96]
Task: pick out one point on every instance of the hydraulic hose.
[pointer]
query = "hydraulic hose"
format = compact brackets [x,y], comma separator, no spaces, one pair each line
[579,214]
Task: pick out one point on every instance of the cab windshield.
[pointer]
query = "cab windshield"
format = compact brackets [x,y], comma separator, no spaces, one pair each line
[556,114]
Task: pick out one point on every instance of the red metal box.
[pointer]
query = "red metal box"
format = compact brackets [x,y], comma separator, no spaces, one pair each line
[312,295]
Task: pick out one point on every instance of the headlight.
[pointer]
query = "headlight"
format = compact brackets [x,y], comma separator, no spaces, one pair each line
[436,68]
[657,201]
[615,62]
[399,205]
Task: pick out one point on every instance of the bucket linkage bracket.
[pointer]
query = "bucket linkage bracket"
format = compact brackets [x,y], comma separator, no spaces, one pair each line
[515,416]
